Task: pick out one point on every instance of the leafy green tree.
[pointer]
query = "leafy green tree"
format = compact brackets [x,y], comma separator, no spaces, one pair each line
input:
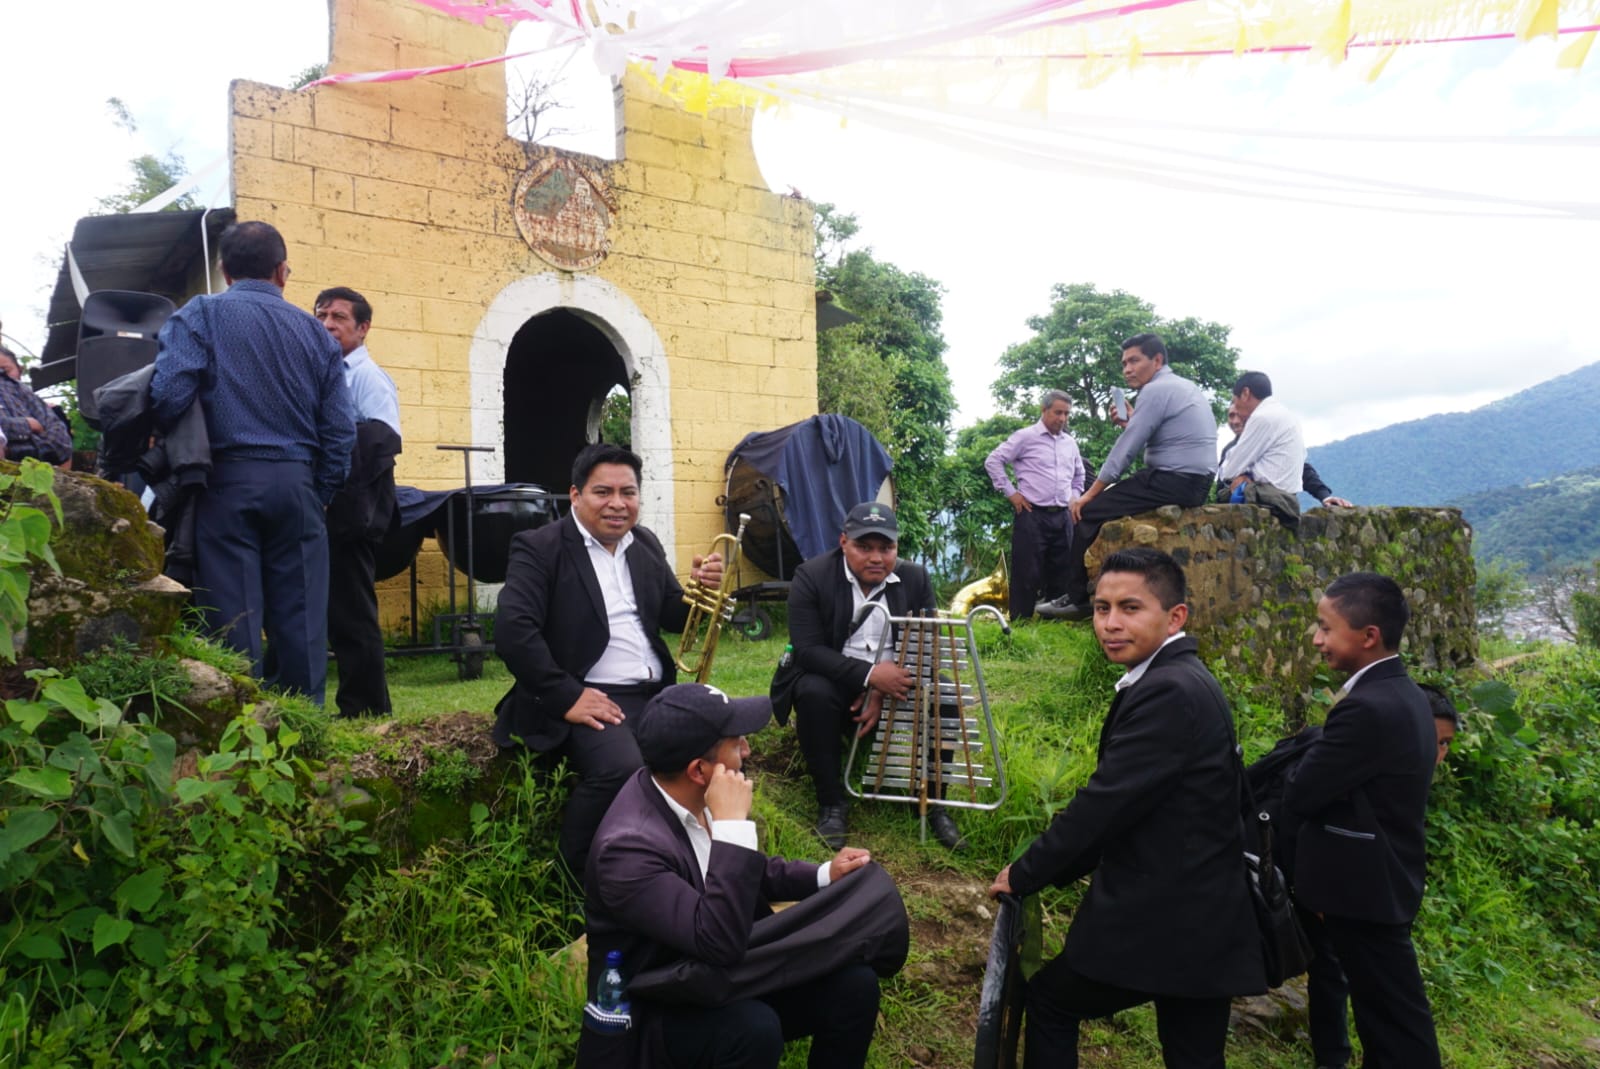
[1502,588]
[1076,347]
[887,369]
[152,175]
[978,519]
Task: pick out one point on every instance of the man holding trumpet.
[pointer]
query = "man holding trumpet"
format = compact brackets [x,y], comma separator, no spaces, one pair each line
[578,624]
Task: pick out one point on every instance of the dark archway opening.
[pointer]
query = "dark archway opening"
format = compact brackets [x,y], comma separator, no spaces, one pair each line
[558,371]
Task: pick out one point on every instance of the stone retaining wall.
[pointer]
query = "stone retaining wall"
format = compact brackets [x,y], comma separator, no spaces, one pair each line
[1254,584]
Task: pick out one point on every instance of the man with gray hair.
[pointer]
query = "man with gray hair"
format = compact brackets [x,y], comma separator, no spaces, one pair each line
[1049,476]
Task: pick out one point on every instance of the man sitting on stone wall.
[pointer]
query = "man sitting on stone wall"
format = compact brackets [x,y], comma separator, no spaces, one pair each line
[1174,425]
[1265,464]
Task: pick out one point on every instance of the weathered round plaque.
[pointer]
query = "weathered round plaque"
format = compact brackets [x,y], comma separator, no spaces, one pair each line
[564,212]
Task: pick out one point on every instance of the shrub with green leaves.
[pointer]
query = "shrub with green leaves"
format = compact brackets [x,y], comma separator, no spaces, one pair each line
[146,917]
[24,538]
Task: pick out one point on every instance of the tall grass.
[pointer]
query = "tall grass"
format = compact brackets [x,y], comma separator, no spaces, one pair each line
[458,958]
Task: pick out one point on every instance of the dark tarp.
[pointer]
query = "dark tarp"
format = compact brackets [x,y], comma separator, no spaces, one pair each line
[824,466]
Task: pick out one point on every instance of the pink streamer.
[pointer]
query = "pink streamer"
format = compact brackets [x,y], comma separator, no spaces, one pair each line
[805,62]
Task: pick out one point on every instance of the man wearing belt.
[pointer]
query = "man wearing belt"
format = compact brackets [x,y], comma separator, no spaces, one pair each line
[579,624]
[1174,425]
[1049,472]
[270,381]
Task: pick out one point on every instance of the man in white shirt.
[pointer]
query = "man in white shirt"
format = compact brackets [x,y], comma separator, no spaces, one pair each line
[578,624]
[359,515]
[1269,454]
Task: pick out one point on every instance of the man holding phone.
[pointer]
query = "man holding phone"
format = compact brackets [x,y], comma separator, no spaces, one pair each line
[1174,425]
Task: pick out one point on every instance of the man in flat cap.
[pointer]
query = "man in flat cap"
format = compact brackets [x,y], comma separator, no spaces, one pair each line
[676,884]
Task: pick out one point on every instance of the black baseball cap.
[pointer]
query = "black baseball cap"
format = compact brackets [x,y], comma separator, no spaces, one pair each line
[871,518]
[686,720]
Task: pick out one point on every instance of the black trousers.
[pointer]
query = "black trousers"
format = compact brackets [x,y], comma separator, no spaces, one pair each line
[1327,997]
[262,550]
[1142,491]
[353,629]
[1193,1031]
[838,1012]
[822,719]
[1041,541]
[1386,994]
[603,761]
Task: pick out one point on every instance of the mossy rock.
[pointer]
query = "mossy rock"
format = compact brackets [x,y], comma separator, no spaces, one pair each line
[110,585]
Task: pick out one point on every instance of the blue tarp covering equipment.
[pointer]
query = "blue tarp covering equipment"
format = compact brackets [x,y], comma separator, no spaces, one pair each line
[797,483]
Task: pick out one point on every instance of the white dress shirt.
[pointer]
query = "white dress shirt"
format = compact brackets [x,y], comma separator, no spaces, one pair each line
[738,832]
[1136,673]
[628,657]
[866,642]
[372,392]
[1270,448]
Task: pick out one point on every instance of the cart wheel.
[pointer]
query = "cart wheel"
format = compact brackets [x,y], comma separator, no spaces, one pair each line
[469,662]
[756,626]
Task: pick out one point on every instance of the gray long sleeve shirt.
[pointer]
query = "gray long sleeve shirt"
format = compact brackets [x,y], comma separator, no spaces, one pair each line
[1173,424]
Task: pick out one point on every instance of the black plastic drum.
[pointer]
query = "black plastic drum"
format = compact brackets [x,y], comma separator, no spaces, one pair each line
[497,516]
[399,547]
[767,543]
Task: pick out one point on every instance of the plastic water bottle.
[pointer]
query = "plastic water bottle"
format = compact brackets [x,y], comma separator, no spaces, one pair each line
[788,656]
[610,996]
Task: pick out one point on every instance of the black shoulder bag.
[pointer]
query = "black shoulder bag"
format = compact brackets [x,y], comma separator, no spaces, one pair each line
[1285,950]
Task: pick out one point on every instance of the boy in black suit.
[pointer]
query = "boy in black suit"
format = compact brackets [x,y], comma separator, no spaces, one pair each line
[1167,917]
[1362,792]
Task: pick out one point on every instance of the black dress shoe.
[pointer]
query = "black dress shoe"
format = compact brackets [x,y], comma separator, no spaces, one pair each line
[944,829]
[1063,608]
[831,827]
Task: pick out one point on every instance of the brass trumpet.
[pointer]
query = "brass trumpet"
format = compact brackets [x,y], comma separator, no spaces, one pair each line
[709,609]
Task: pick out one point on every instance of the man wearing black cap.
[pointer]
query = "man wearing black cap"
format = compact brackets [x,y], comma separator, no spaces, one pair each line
[676,885]
[848,670]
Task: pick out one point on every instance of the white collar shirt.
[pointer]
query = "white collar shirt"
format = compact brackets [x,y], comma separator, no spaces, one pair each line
[372,392]
[628,658]
[1137,672]
[1350,683]
[867,641]
[738,832]
[1271,449]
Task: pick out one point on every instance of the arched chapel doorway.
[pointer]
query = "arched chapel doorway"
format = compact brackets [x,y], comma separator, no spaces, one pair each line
[546,353]
[559,368]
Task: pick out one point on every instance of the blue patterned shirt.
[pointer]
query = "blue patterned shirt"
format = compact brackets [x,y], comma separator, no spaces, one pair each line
[269,378]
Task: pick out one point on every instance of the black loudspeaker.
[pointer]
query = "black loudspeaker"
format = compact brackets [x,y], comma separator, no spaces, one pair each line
[116,335]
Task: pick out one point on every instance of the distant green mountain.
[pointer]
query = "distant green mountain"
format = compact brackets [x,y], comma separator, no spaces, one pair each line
[1544,431]
[1549,524]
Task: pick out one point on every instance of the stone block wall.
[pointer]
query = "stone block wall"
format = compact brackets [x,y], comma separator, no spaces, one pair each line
[404,191]
[1254,585]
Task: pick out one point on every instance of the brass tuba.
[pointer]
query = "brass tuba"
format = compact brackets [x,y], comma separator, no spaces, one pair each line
[708,610]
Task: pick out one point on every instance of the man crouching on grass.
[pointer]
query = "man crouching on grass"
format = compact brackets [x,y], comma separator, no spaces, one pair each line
[1167,917]
[676,884]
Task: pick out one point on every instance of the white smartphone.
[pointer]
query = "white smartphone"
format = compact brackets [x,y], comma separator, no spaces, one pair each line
[1119,401]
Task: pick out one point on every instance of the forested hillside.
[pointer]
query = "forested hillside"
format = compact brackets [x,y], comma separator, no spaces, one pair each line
[1551,523]
[1544,431]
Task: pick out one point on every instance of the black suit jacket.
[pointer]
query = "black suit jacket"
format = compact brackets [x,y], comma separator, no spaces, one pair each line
[550,625]
[1167,911]
[1362,795]
[821,608]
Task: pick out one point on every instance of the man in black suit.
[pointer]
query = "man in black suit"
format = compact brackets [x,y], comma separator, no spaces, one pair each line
[676,879]
[846,671]
[1167,917]
[1361,793]
[578,624]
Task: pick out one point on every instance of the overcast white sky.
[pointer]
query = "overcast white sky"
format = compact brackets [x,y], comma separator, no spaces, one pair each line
[1362,318]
